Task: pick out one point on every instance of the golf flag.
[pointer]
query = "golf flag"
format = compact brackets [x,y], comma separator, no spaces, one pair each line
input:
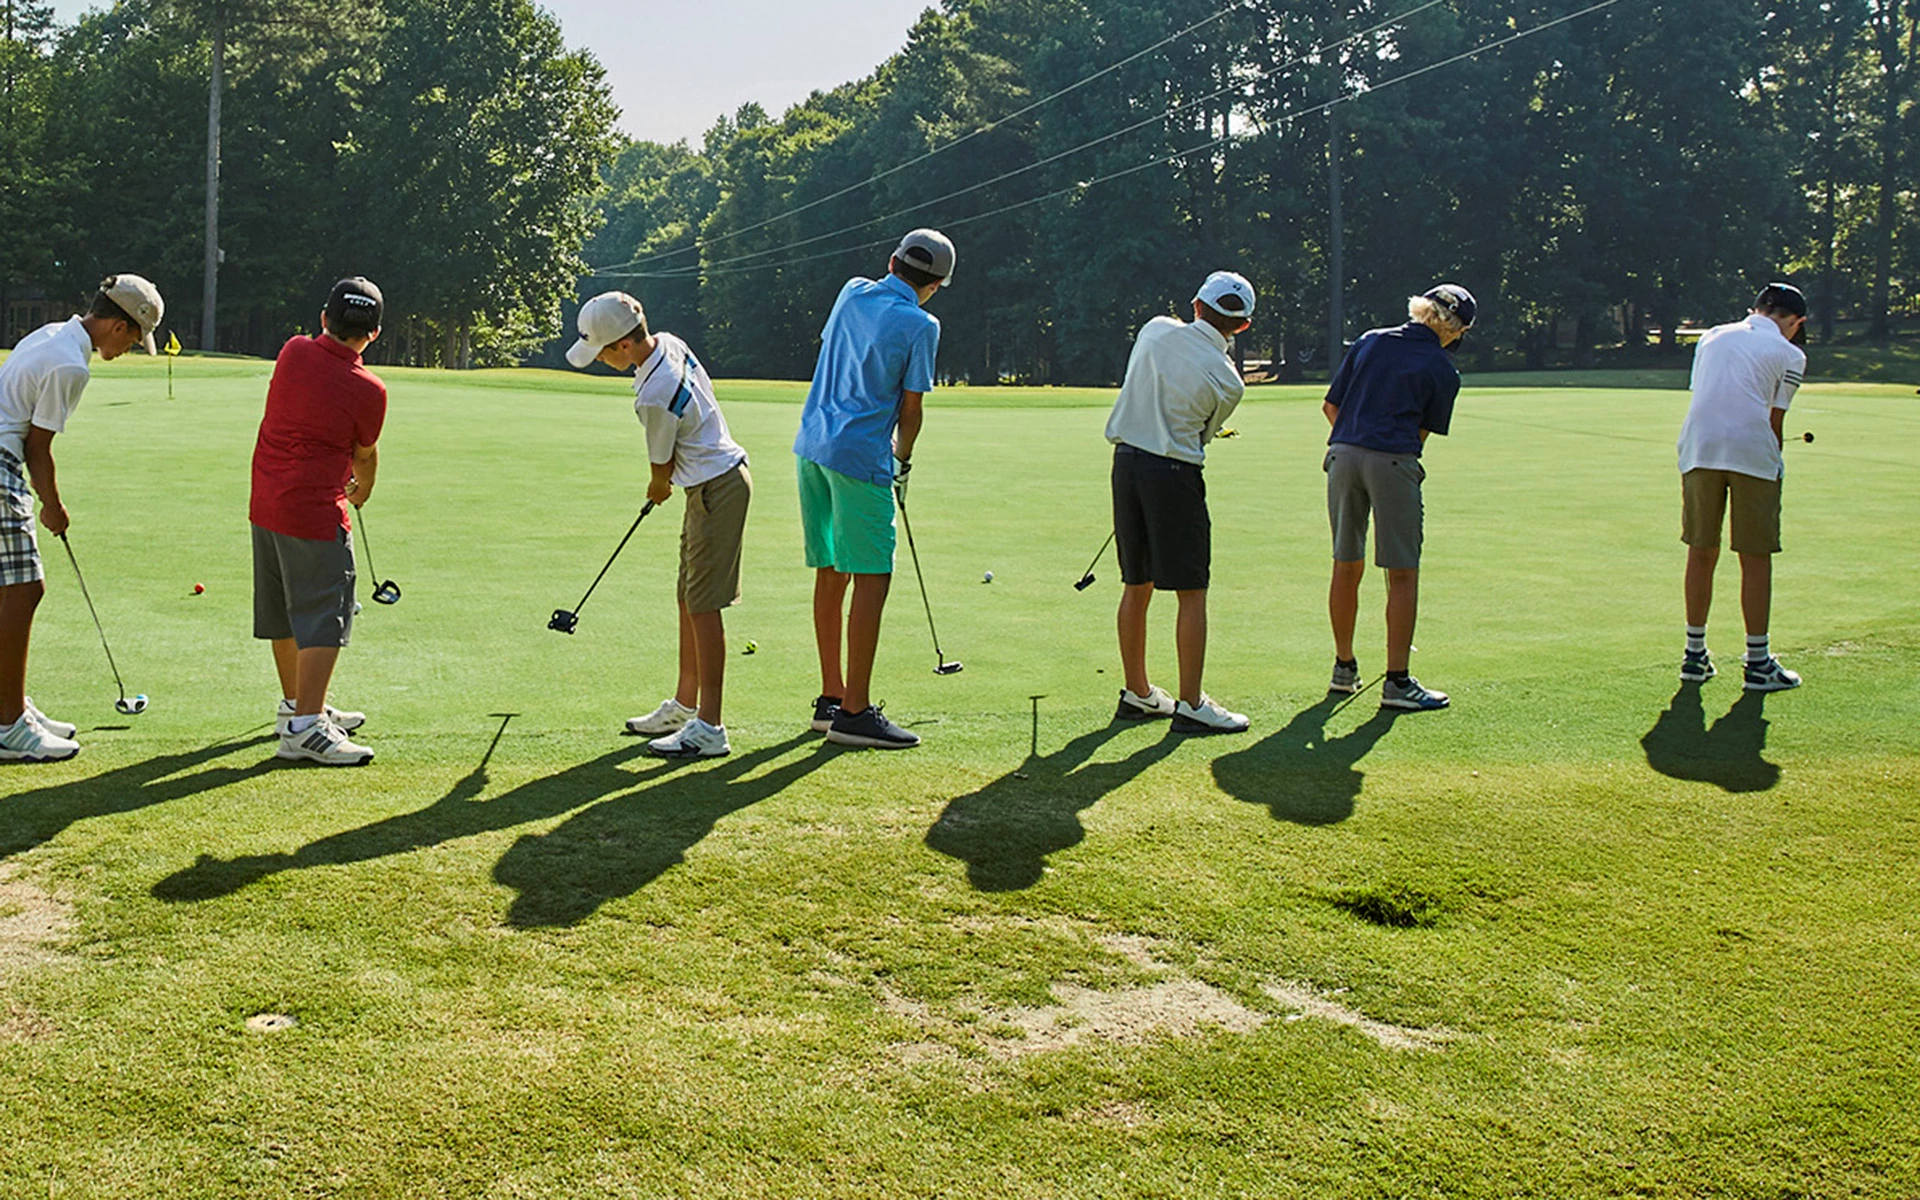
[173,343]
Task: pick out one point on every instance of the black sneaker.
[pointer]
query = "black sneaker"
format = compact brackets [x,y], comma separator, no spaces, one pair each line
[870,728]
[825,709]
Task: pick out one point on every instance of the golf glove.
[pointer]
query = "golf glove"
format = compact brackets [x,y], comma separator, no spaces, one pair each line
[901,469]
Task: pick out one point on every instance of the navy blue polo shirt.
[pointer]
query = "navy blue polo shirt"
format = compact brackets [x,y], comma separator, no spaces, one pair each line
[1392,384]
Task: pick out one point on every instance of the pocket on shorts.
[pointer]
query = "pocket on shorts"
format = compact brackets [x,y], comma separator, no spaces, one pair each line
[1326,464]
[1411,469]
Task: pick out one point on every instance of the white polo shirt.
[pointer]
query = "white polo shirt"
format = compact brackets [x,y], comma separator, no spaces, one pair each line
[673,397]
[41,382]
[1180,388]
[1741,373]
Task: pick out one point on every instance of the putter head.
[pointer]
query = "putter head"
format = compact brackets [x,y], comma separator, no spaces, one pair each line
[1086,581]
[387,593]
[131,707]
[563,621]
[948,668]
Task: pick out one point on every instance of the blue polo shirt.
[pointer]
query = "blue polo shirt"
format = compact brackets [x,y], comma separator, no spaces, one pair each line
[878,342]
[1392,384]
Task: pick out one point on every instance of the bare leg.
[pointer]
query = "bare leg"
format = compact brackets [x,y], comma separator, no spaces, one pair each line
[829,594]
[1132,622]
[17,603]
[710,653]
[286,664]
[1343,605]
[863,638]
[1190,639]
[686,690]
[315,671]
[1701,561]
[1756,591]
[1403,604]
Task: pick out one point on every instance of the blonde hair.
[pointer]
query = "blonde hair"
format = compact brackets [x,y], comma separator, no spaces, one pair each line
[1434,316]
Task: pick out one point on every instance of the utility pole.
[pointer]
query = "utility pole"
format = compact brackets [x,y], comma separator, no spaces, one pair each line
[1336,269]
[210,273]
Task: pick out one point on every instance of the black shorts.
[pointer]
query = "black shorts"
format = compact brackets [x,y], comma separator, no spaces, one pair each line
[1160,522]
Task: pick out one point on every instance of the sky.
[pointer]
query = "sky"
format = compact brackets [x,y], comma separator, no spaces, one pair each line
[676,66]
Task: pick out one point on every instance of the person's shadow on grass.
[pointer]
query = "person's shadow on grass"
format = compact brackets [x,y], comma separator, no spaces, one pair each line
[458,814]
[613,849]
[36,816]
[1005,831]
[1298,772]
[1731,755]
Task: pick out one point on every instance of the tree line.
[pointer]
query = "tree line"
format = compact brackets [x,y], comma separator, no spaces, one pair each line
[448,149]
[1604,183]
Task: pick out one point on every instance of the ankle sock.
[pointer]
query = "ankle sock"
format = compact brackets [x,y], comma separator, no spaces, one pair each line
[302,724]
[1757,652]
[1399,677]
[1351,664]
[1696,639]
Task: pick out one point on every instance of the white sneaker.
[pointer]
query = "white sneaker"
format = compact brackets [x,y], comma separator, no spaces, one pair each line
[1206,717]
[59,729]
[347,721]
[325,743]
[671,715]
[27,740]
[695,739]
[1156,703]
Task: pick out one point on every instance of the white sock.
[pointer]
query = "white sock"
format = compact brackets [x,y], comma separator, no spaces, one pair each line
[302,724]
[1696,639]
[6,729]
[1757,651]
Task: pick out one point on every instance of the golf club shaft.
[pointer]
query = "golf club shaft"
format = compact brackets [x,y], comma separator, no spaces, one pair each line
[88,597]
[366,542]
[900,498]
[1099,554]
[616,554]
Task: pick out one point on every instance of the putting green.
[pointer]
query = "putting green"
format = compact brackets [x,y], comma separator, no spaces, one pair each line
[1589,931]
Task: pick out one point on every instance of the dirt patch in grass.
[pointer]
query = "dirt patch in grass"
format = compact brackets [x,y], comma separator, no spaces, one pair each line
[32,921]
[1128,1017]
[1305,1002]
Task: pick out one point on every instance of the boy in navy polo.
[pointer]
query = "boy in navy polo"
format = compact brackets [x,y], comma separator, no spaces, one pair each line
[1394,388]
[856,439]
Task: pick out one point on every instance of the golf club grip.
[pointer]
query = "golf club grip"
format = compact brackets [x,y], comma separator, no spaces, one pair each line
[647,508]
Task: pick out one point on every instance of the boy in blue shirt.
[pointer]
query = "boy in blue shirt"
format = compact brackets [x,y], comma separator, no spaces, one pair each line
[1394,388]
[856,439]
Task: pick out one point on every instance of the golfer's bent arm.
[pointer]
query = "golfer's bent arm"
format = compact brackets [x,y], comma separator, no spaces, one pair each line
[904,434]
[39,464]
[1332,410]
[1777,419]
[366,464]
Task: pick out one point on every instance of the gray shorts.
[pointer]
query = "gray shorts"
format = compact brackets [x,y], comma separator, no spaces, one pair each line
[1362,481]
[302,589]
[19,547]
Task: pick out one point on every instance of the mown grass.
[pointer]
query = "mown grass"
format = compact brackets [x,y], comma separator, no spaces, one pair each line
[1660,937]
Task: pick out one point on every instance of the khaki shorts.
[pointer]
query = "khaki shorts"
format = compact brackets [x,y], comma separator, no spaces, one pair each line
[1756,510]
[710,540]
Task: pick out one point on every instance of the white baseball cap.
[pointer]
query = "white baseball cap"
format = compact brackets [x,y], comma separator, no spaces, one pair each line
[1228,294]
[604,320]
[139,299]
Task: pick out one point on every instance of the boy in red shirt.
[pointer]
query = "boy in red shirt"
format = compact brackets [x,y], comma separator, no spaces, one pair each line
[315,456]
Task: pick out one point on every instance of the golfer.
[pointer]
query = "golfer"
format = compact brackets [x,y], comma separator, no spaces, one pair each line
[687,445]
[315,455]
[857,433]
[1744,377]
[1179,389]
[1393,389]
[40,386]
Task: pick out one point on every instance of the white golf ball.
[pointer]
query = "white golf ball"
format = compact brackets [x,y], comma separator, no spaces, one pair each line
[987,578]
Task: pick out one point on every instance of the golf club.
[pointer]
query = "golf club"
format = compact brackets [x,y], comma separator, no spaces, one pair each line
[387,591]
[131,707]
[1086,581]
[1807,436]
[942,667]
[567,620]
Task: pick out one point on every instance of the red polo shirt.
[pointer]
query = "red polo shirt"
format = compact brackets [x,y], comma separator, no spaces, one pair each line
[321,404]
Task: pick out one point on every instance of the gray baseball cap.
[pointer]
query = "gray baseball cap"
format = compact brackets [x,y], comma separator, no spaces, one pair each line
[928,250]
[139,299]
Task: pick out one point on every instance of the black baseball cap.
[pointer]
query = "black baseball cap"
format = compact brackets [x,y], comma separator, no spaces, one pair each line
[354,306]
[1783,296]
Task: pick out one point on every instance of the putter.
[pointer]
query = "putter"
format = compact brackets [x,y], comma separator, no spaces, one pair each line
[942,666]
[387,591]
[131,707]
[566,620]
[1086,581]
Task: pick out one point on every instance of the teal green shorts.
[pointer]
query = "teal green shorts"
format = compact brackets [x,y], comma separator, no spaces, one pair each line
[848,523]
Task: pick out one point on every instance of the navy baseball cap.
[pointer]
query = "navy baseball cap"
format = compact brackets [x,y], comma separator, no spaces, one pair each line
[1455,299]
[1782,295]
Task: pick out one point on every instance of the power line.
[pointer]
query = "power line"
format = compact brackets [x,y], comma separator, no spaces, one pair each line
[617,270]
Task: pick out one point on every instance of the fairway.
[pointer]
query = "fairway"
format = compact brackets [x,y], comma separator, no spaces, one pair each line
[1589,932]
